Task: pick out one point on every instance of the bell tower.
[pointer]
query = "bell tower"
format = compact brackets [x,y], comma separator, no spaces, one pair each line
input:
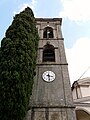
[51,96]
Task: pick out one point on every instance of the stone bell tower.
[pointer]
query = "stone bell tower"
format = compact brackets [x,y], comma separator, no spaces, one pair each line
[51,96]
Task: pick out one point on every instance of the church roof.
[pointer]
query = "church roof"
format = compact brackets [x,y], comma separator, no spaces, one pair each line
[80,82]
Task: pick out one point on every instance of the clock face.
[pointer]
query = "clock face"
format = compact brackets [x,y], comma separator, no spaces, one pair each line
[48,76]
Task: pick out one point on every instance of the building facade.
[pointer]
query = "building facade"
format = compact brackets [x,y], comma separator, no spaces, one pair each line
[81,97]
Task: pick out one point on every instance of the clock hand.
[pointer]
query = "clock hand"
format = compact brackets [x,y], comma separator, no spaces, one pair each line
[48,76]
[51,76]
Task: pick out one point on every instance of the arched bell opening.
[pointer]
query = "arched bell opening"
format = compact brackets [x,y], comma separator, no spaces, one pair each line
[48,53]
[48,32]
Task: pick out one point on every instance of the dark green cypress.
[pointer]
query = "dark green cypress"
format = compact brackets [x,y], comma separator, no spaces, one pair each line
[17,65]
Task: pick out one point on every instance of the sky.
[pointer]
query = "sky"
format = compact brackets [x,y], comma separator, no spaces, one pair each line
[75,16]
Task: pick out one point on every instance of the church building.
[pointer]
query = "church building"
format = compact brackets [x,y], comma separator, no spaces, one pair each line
[81,98]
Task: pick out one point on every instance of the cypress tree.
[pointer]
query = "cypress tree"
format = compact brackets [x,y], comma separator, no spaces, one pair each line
[17,65]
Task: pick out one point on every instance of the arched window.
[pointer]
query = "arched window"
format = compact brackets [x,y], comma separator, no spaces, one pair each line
[48,53]
[48,32]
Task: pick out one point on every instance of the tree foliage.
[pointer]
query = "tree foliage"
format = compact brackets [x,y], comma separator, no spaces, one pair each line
[17,65]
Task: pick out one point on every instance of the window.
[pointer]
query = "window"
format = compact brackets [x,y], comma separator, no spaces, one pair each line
[48,32]
[48,53]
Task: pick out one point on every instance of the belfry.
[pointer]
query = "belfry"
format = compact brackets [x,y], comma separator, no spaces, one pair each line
[51,97]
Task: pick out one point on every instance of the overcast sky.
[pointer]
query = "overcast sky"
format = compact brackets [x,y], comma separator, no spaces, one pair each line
[75,27]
